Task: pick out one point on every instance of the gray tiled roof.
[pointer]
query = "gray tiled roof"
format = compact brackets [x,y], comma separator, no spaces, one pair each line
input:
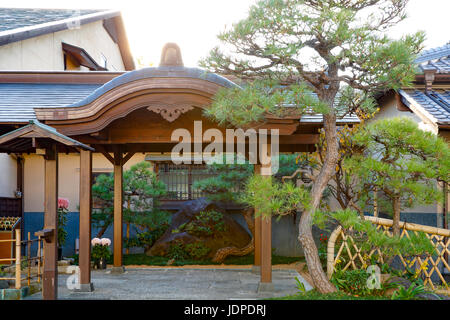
[435,59]
[13,18]
[17,100]
[20,24]
[436,103]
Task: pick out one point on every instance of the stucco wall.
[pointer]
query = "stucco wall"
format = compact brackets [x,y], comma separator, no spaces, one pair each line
[45,52]
[8,175]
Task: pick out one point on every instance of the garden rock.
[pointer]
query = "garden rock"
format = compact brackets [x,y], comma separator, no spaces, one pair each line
[234,234]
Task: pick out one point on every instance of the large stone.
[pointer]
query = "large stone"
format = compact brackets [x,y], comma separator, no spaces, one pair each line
[234,235]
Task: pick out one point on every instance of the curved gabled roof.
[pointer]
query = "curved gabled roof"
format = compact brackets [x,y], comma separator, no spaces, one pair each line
[159,72]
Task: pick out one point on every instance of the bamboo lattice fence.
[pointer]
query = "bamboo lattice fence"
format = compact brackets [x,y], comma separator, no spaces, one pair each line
[30,272]
[423,266]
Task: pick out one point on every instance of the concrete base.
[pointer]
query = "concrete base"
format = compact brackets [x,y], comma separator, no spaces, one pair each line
[265,287]
[117,270]
[85,287]
[256,269]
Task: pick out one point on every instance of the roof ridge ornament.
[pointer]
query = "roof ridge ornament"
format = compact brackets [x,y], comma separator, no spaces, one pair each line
[171,56]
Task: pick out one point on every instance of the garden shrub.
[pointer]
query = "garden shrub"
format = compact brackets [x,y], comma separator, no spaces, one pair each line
[197,250]
[178,250]
[205,224]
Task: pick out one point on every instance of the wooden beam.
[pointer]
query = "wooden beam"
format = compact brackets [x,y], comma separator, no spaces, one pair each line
[85,219]
[118,214]
[127,157]
[50,274]
[109,157]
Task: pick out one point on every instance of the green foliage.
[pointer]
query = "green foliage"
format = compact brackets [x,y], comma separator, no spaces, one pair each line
[100,251]
[367,237]
[415,289]
[103,193]
[300,286]
[197,250]
[347,50]
[401,161]
[178,250]
[289,163]
[142,191]
[228,179]
[205,224]
[353,281]
[269,197]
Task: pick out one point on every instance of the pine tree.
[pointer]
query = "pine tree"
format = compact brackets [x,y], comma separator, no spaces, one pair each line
[307,53]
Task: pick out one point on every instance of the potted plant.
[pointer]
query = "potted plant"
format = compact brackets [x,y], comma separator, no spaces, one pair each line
[100,252]
[63,209]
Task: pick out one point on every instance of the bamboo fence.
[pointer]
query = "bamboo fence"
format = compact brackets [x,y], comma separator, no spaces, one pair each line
[19,259]
[423,266]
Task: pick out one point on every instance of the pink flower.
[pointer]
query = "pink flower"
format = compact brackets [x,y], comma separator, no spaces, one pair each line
[105,242]
[63,203]
[96,241]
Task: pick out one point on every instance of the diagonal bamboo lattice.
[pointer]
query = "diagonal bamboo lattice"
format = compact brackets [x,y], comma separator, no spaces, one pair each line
[423,266]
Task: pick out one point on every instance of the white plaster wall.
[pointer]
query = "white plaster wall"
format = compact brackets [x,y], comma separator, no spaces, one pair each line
[45,52]
[8,175]
[69,178]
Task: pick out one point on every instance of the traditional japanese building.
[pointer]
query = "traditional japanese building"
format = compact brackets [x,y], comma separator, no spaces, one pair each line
[428,103]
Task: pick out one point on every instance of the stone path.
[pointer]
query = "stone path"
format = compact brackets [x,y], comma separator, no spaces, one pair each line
[170,283]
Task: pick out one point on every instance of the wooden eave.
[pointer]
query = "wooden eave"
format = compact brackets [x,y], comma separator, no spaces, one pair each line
[36,135]
[82,57]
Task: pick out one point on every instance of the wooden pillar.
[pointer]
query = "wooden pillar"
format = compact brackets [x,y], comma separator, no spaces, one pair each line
[257,234]
[50,274]
[85,220]
[266,228]
[118,212]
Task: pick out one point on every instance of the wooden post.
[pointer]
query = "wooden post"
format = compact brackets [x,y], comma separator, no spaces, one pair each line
[85,220]
[266,226]
[118,211]
[18,260]
[257,235]
[50,279]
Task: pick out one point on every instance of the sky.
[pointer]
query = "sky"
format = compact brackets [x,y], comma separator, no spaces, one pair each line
[194,24]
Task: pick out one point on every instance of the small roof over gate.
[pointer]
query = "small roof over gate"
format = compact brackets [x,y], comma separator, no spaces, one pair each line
[35,135]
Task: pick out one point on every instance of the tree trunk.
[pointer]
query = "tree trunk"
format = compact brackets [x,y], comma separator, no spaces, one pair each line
[396,216]
[222,253]
[305,237]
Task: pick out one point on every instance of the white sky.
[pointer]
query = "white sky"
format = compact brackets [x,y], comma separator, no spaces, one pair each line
[194,24]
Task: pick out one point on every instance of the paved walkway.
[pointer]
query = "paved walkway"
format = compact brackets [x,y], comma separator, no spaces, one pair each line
[169,283]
